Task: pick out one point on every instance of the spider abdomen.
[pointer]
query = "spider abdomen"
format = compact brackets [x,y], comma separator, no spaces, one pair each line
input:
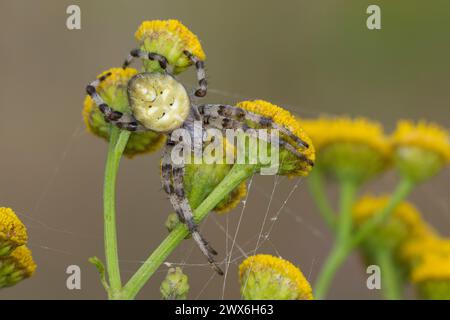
[158,101]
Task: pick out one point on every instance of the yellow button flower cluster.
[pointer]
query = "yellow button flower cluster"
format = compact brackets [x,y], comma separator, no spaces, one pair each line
[355,149]
[16,262]
[265,277]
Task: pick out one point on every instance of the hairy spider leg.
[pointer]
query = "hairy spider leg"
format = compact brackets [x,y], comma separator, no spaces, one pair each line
[172,180]
[223,123]
[201,74]
[138,53]
[236,113]
[119,119]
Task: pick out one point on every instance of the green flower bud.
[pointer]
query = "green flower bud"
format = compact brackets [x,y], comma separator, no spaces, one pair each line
[421,150]
[349,149]
[175,286]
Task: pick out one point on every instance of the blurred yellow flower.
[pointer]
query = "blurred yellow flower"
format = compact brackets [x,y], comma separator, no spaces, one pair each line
[290,164]
[423,135]
[13,233]
[169,38]
[413,250]
[421,150]
[265,277]
[16,267]
[325,131]
[349,149]
[432,266]
[404,214]
[430,270]
[114,91]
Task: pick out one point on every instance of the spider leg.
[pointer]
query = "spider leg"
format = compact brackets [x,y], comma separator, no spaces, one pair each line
[138,53]
[236,113]
[223,123]
[119,119]
[181,204]
[201,74]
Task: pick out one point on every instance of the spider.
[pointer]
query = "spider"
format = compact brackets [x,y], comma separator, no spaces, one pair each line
[158,102]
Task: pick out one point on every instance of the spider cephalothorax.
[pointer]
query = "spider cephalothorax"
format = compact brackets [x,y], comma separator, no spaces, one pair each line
[159,103]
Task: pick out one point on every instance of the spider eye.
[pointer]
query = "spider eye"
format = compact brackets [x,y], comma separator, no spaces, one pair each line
[161,92]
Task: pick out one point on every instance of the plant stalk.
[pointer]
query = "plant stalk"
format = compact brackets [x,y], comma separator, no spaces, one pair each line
[117,142]
[236,175]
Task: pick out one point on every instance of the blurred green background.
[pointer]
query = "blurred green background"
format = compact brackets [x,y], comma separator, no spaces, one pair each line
[312,57]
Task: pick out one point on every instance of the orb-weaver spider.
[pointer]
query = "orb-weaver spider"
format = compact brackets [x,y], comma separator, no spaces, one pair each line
[160,103]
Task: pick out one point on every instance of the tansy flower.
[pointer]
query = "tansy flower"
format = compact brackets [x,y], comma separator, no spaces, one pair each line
[175,286]
[265,277]
[414,249]
[169,38]
[114,91]
[421,149]
[386,241]
[431,273]
[16,267]
[405,221]
[12,231]
[290,164]
[432,266]
[349,148]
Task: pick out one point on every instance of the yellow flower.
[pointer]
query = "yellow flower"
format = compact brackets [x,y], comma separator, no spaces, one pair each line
[114,91]
[18,266]
[325,131]
[169,38]
[432,266]
[413,250]
[404,214]
[349,148]
[423,135]
[265,277]
[431,273]
[290,164]
[12,231]
[421,149]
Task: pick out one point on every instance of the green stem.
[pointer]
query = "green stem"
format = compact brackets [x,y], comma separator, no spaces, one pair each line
[341,248]
[346,242]
[236,175]
[117,142]
[390,285]
[401,192]
[317,190]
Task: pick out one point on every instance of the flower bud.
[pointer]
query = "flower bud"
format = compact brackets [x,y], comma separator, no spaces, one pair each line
[349,149]
[114,92]
[12,231]
[175,286]
[16,267]
[169,38]
[290,164]
[420,150]
[265,277]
